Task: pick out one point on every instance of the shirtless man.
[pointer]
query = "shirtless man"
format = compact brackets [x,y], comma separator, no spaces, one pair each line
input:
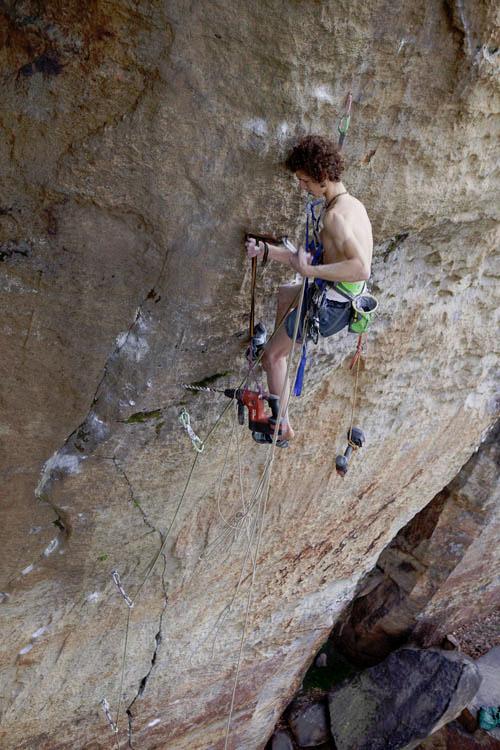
[346,236]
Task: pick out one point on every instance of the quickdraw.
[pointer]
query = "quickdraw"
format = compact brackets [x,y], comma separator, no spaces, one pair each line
[185,421]
[107,713]
[345,120]
[116,578]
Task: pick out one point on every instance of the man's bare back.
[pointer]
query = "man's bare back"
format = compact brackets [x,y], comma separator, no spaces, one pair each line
[354,215]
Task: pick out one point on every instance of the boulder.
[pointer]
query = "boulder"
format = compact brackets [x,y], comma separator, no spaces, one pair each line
[281,741]
[309,723]
[400,702]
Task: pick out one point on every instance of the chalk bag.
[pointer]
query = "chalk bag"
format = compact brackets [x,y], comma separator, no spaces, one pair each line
[363,309]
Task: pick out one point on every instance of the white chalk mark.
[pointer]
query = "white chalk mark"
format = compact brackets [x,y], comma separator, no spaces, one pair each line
[135,346]
[27,570]
[465,26]
[39,632]
[120,339]
[154,722]
[93,597]
[68,463]
[283,130]
[26,649]
[323,93]
[258,126]
[53,545]
[97,426]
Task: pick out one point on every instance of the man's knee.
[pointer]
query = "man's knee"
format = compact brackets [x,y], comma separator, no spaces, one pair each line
[272,357]
[266,361]
[269,359]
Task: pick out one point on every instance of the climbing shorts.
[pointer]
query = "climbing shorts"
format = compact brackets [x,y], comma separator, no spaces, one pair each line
[333,317]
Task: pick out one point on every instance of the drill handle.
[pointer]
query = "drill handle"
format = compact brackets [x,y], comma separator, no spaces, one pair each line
[274,403]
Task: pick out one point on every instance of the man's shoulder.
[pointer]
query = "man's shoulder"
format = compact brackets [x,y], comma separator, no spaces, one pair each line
[334,219]
[340,216]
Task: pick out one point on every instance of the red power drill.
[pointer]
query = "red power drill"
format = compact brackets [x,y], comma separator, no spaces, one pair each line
[261,424]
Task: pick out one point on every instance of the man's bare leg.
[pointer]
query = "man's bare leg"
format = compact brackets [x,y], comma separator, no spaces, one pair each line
[275,356]
[287,294]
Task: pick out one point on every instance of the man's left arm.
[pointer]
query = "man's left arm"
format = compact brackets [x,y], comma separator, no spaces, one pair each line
[353,268]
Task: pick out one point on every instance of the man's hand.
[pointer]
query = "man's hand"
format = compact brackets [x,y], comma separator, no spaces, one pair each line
[254,249]
[301,262]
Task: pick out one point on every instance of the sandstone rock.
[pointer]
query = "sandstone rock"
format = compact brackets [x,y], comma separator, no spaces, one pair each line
[396,704]
[139,140]
[437,573]
[281,741]
[309,723]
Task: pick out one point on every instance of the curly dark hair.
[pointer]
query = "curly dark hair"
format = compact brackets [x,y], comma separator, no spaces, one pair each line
[318,157]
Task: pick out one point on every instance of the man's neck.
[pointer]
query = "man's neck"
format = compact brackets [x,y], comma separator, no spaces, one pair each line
[332,190]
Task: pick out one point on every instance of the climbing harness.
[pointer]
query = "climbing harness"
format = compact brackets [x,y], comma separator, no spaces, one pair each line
[185,421]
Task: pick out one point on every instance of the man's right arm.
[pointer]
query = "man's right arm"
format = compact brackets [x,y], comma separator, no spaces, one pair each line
[276,252]
[279,253]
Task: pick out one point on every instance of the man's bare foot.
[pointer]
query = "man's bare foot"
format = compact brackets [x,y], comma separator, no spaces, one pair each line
[286,432]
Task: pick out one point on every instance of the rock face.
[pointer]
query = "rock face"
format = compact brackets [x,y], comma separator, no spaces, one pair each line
[396,704]
[489,692]
[454,737]
[440,571]
[138,141]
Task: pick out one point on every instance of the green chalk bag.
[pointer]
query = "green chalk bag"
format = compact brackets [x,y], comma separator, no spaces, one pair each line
[362,311]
